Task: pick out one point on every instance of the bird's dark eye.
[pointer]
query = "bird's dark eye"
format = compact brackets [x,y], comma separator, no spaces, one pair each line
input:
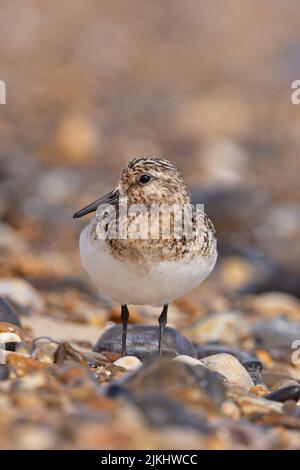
[144,179]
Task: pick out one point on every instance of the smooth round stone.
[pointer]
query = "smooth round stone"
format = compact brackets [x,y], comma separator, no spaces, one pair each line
[128,362]
[8,313]
[291,392]
[162,411]
[230,368]
[187,360]
[249,359]
[142,342]
[176,380]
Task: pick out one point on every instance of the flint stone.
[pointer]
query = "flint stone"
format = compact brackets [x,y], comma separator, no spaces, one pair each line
[175,379]
[291,392]
[142,342]
[162,411]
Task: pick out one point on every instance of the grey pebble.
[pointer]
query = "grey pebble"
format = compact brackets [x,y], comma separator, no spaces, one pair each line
[4,371]
[7,313]
[142,342]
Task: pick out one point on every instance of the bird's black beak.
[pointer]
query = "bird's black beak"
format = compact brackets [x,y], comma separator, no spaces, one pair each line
[110,198]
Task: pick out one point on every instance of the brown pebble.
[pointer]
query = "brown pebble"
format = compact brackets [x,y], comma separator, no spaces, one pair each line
[259,390]
[24,365]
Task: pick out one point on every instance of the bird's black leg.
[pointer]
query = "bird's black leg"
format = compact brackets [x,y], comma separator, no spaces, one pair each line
[162,323]
[124,316]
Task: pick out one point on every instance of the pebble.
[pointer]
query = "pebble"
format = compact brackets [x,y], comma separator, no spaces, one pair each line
[290,408]
[187,360]
[10,335]
[230,368]
[142,342]
[256,406]
[284,383]
[128,362]
[65,352]
[44,349]
[162,411]
[226,327]
[291,392]
[177,379]
[7,313]
[277,419]
[279,332]
[22,366]
[32,382]
[22,293]
[4,371]
[259,390]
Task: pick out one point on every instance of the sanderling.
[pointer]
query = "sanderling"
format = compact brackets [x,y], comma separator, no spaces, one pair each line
[154,268]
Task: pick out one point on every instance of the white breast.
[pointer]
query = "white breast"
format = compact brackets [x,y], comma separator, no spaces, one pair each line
[127,282]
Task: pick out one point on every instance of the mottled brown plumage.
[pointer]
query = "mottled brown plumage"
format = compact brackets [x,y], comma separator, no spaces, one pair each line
[167,187]
[167,184]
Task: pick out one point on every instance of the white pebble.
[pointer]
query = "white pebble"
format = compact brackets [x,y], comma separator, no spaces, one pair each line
[228,366]
[128,362]
[9,337]
[187,360]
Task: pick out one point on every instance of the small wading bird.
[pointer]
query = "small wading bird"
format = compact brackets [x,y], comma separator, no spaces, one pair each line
[151,270]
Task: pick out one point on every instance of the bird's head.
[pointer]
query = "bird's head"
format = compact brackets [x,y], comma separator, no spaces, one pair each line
[145,180]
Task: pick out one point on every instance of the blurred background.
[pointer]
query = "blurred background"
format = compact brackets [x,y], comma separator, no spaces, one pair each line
[205,84]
